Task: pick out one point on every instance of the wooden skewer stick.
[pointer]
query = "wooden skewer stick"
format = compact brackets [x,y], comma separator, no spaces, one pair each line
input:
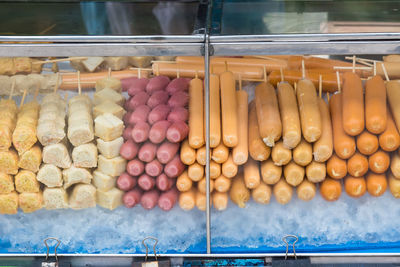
[320,86]
[57,82]
[362,59]
[139,73]
[265,74]
[79,83]
[303,69]
[328,96]
[63,71]
[270,58]
[109,72]
[374,68]
[177,73]
[23,99]
[385,72]
[147,69]
[338,82]
[295,87]
[354,64]
[350,68]
[158,70]
[196,75]
[12,90]
[365,63]
[59,60]
[282,78]
[163,61]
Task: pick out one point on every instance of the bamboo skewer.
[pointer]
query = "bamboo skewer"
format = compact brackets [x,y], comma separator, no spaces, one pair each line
[303,69]
[79,83]
[338,82]
[351,68]
[12,90]
[282,78]
[265,74]
[23,99]
[320,86]
[385,72]
[59,60]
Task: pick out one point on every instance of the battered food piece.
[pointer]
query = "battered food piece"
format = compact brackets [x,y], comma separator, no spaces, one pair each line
[80,121]
[30,202]
[83,196]
[57,154]
[108,107]
[103,181]
[109,199]
[108,94]
[9,161]
[55,198]
[109,82]
[30,160]
[6,183]
[9,203]
[113,167]
[108,127]
[25,181]
[50,175]
[110,149]
[76,175]
[85,156]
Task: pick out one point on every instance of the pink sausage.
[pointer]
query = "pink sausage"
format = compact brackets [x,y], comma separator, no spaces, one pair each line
[158,131]
[127,133]
[129,150]
[157,98]
[174,168]
[132,198]
[154,168]
[178,114]
[178,131]
[147,152]
[146,182]
[135,167]
[179,99]
[164,183]
[159,113]
[126,117]
[140,114]
[178,84]
[167,151]
[137,100]
[126,105]
[168,199]
[149,199]
[157,83]
[125,182]
[126,83]
[138,85]
[140,132]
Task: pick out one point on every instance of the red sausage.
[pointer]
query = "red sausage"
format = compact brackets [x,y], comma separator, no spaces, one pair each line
[149,199]
[126,117]
[126,83]
[147,152]
[179,99]
[127,133]
[129,150]
[174,168]
[178,84]
[168,199]
[177,132]
[125,182]
[154,168]
[157,83]
[132,198]
[135,167]
[146,182]
[178,114]
[140,114]
[157,98]
[140,132]
[138,85]
[158,131]
[163,182]
[159,113]
[137,100]
[167,151]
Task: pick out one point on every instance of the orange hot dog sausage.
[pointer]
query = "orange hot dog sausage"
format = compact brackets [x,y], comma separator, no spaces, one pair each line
[336,167]
[379,161]
[355,186]
[389,140]
[375,105]
[258,150]
[352,104]
[229,109]
[357,165]
[367,143]
[323,147]
[331,189]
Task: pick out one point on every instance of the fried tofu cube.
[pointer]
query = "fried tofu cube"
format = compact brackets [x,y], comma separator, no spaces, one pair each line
[110,149]
[109,82]
[113,167]
[7,66]
[108,107]
[31,159]
[50,131]
[9,161]
[85,156]
[30,202]
[22,65]
[108,127]
[25,181]
[83,196]
[57,154]
[55,198]
[9,203]
[116,63]
[24,136]
[6,183]
[140,62]
[108,94]
[92,63]
[103,181]
[83,98]
[80,133]
[50,175]
[109,199]
[76,175]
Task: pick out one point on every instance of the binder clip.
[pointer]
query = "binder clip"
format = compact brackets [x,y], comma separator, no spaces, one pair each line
[154,263]
[287,245]
[49,263]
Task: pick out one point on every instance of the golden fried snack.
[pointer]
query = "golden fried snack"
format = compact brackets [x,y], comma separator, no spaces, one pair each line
[9,203]
[6,183]
[30,202]
[25,181]
[30,160]
[9,161]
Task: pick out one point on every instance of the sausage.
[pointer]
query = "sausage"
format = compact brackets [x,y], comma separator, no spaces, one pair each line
[375,105]
[262,193]
[220,200]
[178,114]
[240,152]
[157,83]
[201,186]
[331,189]
[343,144]
[164,183]
[201,201]
[140,114]
[357,165]
[125,182]
[147,152]
[229,168]
[239,193]
[270,173]
[252,174]
[316,172]
[302,154]
[201,155]
[394,186]
[228,109]
[158,131]
[138,100]
[188,154]
[395,165]
[196,114]
[306,190]
[140,132]
[291,130]
[138,85]
[157,98]
[220,153]
[132,198]
[355,186]
[187,200]
[126,117]
[129,150]
[392,69]
[336,167]
[168,199]
[389,140]
[379,161]
[367,143]
[126,83]
[178,99]
[269,121]
[283,192]
[215,111]
[158,113]
[293,173]
[177,132]
[174,168]
[196,172]
[376,184]
[258,150]
[177,84]
[149,199]
[393,96]
[183,182]
[135,167]
[222,184]
[295,62]
[215,169]
[391,58]
[153,168]
[310,116]
[146,182]
[323,147]
[280,154]
[167,151]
